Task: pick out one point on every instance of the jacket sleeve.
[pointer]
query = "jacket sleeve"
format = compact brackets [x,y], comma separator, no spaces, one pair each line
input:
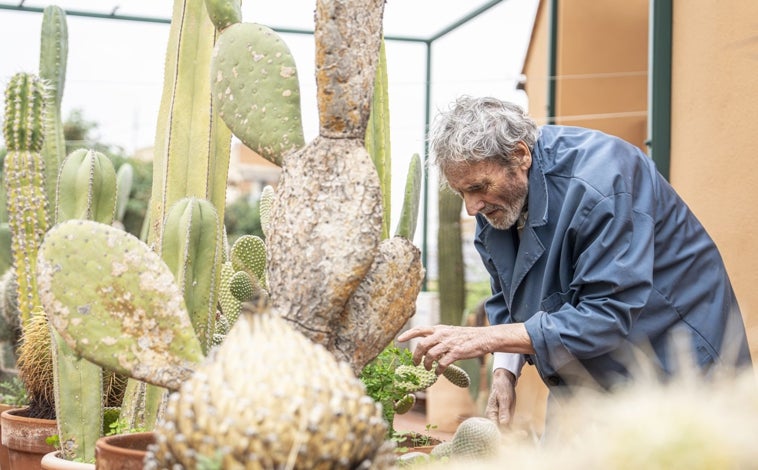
[611,277]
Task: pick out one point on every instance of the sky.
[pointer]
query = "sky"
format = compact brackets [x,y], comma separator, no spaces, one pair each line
[115,68]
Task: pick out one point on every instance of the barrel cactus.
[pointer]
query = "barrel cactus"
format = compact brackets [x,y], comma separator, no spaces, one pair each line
[316,416]
[475,438]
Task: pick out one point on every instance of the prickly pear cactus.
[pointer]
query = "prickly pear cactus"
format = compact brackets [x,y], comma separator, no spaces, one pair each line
[318,417]
[116,303]
[254,80]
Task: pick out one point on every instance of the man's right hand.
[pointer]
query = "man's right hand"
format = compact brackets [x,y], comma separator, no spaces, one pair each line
[502,401]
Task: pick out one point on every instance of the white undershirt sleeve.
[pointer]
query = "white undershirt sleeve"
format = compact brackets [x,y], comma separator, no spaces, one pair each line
[509,361]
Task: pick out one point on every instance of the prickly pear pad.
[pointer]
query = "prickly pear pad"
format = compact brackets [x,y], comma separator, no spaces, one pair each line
[254,80]
[115,302]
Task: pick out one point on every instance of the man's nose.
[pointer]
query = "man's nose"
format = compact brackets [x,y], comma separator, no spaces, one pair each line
[473,205]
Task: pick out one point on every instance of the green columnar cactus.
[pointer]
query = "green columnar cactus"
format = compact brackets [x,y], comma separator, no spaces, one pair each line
[86,189]
[10,324]
[192,144]
[117,303]
[378,142]
[190,248]
[406,226]
[124,181]
[318,417]
[52,70]
[24,174]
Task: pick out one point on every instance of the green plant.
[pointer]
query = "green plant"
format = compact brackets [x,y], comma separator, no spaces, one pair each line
[391,379]
[13,392]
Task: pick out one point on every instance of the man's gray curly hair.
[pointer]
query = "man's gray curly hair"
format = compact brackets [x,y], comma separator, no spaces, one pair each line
[477,129]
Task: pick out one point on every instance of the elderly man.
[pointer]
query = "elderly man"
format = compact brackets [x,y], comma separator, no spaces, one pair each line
[592,256]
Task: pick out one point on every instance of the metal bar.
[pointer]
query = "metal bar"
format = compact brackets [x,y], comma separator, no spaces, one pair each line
[552,62]
[659,85]
[152,19]
[427,120]
[463,20]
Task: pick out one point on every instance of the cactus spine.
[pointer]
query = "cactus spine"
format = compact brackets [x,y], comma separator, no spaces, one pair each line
[52,70]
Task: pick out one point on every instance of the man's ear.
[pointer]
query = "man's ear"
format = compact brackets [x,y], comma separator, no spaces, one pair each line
[523,155]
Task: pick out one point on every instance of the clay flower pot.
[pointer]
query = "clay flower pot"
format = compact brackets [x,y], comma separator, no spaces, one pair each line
[4,461]
[26,438]
[52,461]
[123,451]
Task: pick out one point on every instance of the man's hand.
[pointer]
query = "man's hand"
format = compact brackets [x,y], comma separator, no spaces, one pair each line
[446,344]
[502,401]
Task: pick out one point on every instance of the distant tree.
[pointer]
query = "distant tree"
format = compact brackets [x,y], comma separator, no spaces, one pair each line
[242,217]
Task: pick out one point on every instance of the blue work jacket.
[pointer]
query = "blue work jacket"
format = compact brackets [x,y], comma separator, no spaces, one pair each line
[610,260]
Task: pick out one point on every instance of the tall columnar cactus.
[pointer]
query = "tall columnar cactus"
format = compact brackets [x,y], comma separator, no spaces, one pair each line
[192,144]
[24,174]
[52,69]
[190,247]
[378,142]
[86,189]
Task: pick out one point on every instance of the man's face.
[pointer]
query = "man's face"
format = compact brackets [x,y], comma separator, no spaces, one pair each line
[495,191]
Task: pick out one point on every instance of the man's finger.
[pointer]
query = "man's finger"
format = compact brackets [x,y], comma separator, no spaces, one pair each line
[414,333]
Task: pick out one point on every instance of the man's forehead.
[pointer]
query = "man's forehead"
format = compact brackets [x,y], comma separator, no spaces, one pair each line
[466,173]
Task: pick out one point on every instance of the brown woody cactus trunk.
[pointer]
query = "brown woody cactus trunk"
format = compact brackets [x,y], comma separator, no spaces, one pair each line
[327,219]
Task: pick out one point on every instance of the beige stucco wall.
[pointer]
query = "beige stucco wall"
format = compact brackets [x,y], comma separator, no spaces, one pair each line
[714,161]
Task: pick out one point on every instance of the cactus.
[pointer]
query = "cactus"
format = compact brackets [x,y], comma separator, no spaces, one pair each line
[475,438]
[124,181]
[264,206]
[117,303]
[378,142]
[189,247]
[10,324]
[319,417]
[52,70]
[192,145]
[35,366]
[254,80]
[86,189]
[24,174]
[406,226]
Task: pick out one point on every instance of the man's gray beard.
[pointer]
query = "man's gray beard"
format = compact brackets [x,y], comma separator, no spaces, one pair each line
[509,216]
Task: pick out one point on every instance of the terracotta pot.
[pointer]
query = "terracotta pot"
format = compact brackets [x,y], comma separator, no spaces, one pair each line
[122,451]
[52,461]
[4,461]
[25,438]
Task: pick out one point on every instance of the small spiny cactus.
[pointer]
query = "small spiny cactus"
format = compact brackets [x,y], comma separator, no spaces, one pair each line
[475,438]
